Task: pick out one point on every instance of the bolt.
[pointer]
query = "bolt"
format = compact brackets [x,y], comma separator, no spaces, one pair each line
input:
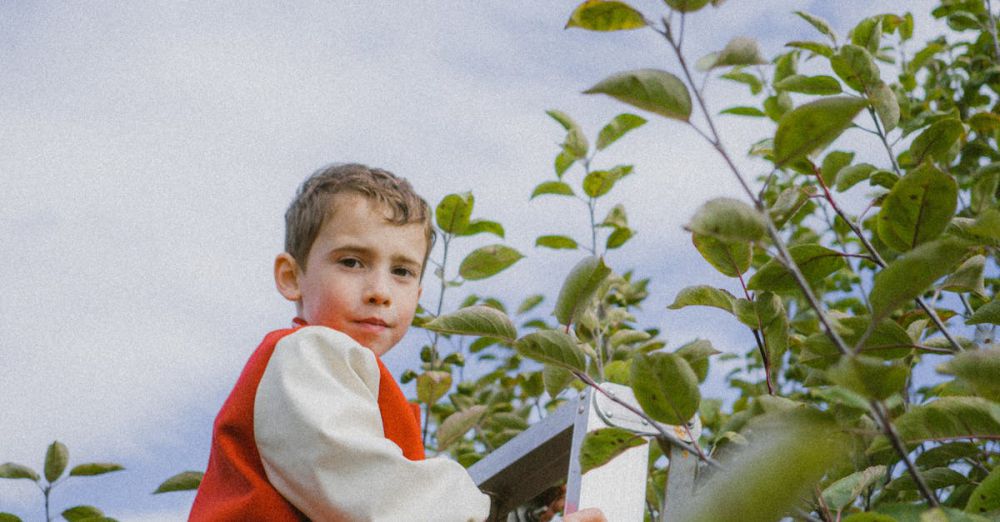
[611,414]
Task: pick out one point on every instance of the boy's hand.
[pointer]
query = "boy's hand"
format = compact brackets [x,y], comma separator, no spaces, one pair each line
[586,515]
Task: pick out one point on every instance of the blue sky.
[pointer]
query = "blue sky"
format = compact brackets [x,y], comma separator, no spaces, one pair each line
[150,150]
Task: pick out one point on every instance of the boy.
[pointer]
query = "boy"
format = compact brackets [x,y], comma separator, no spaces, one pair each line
[316,427]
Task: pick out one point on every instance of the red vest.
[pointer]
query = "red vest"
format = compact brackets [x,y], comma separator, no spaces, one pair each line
[235,486]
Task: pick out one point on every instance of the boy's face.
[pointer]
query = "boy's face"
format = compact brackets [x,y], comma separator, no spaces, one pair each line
[362,274]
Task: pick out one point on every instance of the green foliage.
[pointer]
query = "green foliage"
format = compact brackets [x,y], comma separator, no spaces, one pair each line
[813,126]
[653,90]
[842,298]
[54,468]
[183,481]
[603,445]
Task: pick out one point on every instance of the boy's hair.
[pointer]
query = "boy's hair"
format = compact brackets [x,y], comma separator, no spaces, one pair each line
[313,204]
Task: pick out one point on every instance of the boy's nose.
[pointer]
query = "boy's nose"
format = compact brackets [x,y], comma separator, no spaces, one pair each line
[377,291]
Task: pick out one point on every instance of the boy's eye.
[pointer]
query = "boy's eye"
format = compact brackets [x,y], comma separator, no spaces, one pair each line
[402,272]
[350,262]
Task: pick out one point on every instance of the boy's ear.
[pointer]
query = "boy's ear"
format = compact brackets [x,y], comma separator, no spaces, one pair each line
[286,276]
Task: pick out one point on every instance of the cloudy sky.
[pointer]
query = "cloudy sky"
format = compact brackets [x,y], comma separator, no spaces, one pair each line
[149,149]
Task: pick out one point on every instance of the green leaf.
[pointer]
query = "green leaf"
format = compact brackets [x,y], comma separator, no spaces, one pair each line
[986,496]
[918,208]
[12,470]
[886,105]
[552,187]
[602,445]
[870,377]
[480,226]
[853,174]
[945,454]
[787,456]
[563,119]
[618,238]
[578,288]
[530,303]
[817,48]
[856,67]
[819,24]
[842,493]
[575,146]
[728,219]
[480,320]
[984,190]
[82,513]
[627,337]
[453,212]
[968,277]
[599,182]
[809,84]
[814,261]
[788,202]
[458,424]
[653,90]
[686,6]
[487,261]
[868,34]
[9,517]
[184,481]
[746,78]
[552,347]
[778,105]
[732,258]
[813,126]
[696,353]
[617,128]
[603,15]
[833,163]
[666,387]
[56,458]
[978,369]
[704,295]
[909,275]
[617,372]
[616,217]
[744,111]
[947,418]
[556,242]
[556,379]
[887,341]
[739,51]
[936,141]
[94,468]
[936,478]
[989,313]
[563,162]
[432,385]
[984,230]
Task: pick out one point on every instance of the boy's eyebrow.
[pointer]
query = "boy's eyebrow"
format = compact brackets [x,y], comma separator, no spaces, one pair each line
[358,249]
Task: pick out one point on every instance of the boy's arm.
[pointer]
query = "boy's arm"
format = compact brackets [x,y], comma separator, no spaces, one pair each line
[319,433]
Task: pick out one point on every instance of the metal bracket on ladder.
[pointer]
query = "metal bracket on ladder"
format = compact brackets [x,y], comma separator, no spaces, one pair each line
[619,487]
[540,456]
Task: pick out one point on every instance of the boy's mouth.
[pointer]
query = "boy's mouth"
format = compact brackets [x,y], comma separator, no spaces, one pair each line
[373,321]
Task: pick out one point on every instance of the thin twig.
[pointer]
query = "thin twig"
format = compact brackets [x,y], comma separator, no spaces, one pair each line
[693,447]
[878,409]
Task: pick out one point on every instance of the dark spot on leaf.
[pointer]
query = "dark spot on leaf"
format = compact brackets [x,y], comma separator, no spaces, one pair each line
[913,197]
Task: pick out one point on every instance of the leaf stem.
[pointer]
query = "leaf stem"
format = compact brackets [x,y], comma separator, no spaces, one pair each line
[761,343]
[878,410]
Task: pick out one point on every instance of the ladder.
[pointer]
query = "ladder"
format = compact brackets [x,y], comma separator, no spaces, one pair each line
[548,453]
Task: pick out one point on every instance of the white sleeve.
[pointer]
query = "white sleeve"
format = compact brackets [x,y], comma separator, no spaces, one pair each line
[319,434]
